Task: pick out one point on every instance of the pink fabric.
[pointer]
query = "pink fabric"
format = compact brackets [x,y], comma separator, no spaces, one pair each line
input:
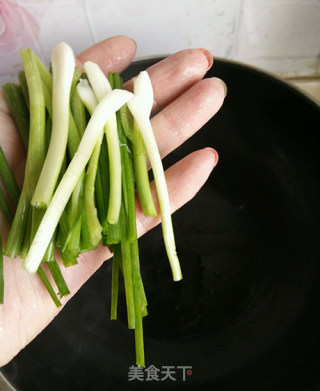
[18,29]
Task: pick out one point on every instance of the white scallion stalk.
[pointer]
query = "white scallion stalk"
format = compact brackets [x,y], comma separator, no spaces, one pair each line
[87,95]
[101,87]
[98,80]
[63,65]
[140,106]
[109,105]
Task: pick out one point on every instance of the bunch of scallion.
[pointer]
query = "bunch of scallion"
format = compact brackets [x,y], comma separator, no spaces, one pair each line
[87,143]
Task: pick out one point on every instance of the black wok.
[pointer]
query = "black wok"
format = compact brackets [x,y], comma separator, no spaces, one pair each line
[247,314]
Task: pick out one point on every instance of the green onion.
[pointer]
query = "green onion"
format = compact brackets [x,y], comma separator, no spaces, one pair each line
[24,88]
[78,112]
[25,216]
[141,171]
[105,108]
[8,179]
[58,278]
[140,107]
[19,110]
[135,296]
[36,147]
[63,65]
[87,143]
[117,260]
[89,100]
[5,208]
[48,286]
[101,88]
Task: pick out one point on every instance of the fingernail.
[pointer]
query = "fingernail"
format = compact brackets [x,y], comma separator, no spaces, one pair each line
[223,84]
[215,154]
[208,55]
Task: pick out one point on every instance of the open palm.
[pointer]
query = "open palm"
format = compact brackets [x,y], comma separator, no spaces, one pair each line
[184,103]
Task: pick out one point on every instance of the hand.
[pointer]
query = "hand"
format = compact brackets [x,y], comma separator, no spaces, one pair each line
[187,103]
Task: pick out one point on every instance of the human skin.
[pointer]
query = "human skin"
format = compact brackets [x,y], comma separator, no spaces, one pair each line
[184,102]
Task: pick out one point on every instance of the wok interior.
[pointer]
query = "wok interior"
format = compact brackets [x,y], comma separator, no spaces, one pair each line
[246,315]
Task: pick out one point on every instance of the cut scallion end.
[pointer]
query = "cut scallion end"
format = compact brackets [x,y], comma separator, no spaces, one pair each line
[18,230]
[48,286]
[58,277]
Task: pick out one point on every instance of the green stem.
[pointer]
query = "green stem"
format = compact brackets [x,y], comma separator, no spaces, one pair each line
[36,149]
[128,186]
[140,304]
[94,225]
[35,154]
[115,232]
[128,283]
[139,288]
[44,72]
[136,300]
[18,109]
[115,281]
[141,173]
[9,179]
[115,168]
[70,240]
[69,257]
[112,233]
[47,93]
[101,88]
[79,113]
[27,237]
[5,208]
[19,226]
[24,88]
[48,286]
[70,244]
[131,130]
[99,195]
[73,136]
[93,228]
[58,278]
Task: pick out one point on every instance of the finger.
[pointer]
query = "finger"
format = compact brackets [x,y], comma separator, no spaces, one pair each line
[184,180]
[28,308]
[112,54]
[175,74]
[187,114]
